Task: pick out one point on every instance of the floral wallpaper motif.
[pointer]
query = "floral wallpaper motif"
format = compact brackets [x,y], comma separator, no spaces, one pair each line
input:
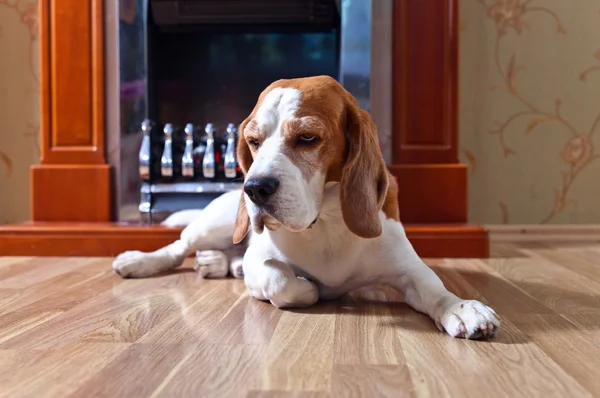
[530,110]
[19,106]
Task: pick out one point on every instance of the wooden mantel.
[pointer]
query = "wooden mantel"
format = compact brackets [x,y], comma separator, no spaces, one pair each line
[72,189]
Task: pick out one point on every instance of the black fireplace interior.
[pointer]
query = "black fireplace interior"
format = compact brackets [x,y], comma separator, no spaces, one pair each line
[208,61]
[205,64]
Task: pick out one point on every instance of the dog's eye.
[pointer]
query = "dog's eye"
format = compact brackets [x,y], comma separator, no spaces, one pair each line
[306,139]
[254,143]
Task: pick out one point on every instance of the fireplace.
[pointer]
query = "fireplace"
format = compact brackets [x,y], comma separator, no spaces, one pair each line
[398,57]
[190,71]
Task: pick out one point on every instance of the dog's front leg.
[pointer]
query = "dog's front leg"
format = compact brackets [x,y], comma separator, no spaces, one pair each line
[211,230]
[272,280]
[426,293]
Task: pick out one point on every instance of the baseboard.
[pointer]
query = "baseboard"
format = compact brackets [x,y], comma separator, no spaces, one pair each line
[532,232]
[449,240]
[110,239]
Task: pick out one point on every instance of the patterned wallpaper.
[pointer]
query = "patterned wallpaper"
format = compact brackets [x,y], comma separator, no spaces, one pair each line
[530,110]
[19,106]
[529,117]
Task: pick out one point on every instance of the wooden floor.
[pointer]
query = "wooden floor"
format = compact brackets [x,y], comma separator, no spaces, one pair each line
[70,327]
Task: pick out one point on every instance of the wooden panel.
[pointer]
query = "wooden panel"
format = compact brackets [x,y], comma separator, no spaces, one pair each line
[72,81]
[73,183]
[432,193]
[110,239]
[425,79]
[449,240]
[71,193]
[79,239]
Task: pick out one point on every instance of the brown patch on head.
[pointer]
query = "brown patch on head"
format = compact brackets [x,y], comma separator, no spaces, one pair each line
[320,113]
[310,158]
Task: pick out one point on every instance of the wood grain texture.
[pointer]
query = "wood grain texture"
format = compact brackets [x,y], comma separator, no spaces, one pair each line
[425,76]
[70,327]
[111,239]
[432,193]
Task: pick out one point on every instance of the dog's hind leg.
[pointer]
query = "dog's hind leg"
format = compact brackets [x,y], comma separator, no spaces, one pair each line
[212,229]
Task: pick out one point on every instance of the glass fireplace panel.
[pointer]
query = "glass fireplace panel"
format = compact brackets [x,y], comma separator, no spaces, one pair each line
[204,77]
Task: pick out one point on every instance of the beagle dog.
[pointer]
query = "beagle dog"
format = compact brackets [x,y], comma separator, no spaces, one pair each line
[317,216]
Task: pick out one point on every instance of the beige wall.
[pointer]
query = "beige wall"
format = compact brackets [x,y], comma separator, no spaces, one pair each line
[530,100]
[530,106]
[19,105]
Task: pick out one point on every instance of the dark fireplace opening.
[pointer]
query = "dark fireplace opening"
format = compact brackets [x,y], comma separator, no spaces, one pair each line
[208,61]
[192,70]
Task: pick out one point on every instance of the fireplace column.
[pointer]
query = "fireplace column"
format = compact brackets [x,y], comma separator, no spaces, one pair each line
[432,182]
[425,123]
[72,183]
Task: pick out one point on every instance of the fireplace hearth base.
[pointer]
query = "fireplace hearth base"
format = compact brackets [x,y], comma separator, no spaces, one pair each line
[110,239]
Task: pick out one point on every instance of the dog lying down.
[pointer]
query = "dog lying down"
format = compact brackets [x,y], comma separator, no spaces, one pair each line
[317,216]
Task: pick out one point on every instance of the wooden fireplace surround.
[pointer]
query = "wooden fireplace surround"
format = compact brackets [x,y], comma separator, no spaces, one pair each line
[72,187]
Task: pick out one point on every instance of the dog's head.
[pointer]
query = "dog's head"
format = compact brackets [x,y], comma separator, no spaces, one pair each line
[302,134]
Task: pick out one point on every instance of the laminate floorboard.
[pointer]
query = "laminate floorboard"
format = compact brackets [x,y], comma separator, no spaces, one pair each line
[69,327]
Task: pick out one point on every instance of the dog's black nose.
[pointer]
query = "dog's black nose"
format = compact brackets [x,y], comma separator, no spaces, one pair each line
[260,189]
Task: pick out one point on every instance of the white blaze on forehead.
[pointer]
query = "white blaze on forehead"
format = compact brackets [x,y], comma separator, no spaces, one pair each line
[297,201]
[279,105]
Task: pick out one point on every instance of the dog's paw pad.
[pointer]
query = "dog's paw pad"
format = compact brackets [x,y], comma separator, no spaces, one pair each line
[469,319]
[211,264]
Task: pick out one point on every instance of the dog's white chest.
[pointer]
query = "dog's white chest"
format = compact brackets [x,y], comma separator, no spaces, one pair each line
[327,253]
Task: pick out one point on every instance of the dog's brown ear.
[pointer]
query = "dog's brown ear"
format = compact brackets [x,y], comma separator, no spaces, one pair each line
[242,222]
[364,182]
[244,156]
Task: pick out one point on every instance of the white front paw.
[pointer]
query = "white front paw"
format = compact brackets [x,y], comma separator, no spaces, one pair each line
[211,264]
[469,319]
[130,264]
